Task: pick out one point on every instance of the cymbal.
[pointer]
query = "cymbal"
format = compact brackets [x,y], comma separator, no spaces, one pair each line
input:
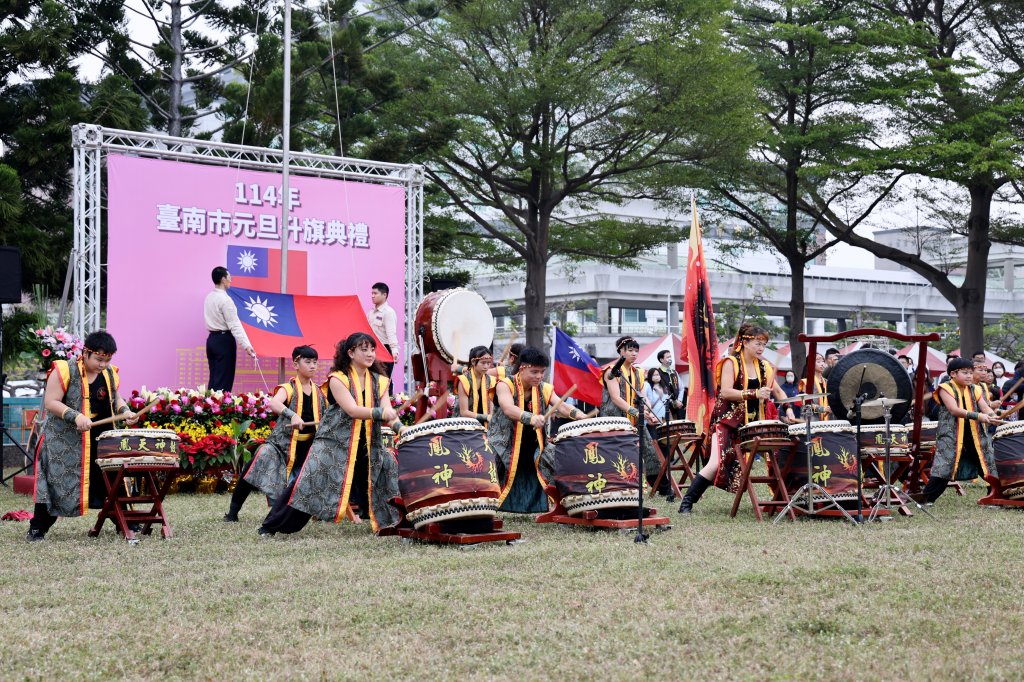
[884,402]
[800,397]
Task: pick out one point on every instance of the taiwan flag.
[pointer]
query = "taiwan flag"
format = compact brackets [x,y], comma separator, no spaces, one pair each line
[276,323]
[574,366]
[257,267]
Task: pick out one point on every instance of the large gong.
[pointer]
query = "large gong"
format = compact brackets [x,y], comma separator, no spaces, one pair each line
[870,371]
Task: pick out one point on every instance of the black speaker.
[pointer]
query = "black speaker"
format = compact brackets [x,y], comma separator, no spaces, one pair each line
[10,274]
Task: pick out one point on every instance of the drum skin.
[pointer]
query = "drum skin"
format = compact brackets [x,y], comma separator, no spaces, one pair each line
[445,471]
[454,317]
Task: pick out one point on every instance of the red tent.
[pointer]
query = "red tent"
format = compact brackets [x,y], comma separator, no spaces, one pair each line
[648,356]
[936,358]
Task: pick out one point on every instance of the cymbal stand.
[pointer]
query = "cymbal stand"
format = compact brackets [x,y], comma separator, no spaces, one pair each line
[887,492]
[807,490]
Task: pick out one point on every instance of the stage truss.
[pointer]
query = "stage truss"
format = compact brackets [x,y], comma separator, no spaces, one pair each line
[92,143]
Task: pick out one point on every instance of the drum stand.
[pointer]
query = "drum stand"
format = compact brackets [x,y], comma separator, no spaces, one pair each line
[810,488]
[887,491]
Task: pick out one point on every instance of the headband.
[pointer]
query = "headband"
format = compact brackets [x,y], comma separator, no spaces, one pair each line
[623,342]
[99,352]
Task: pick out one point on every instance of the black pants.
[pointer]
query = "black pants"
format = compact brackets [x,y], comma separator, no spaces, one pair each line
[220,354]
[285,519]
[242,489]
[388,368]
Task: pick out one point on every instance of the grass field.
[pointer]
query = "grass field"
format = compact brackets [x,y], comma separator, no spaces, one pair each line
[713,598]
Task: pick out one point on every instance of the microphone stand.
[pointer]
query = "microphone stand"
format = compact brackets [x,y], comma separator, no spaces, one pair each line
[857,404]
[638,403]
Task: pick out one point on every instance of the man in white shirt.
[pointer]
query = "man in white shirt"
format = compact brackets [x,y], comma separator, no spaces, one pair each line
[221,318]
[384,323]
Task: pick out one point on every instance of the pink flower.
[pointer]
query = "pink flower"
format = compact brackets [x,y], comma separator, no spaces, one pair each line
[46,352]
[176,409]
[198,409]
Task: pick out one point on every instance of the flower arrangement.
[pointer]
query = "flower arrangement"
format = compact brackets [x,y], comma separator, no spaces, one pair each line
[54,344]
[408,415]
[215,427]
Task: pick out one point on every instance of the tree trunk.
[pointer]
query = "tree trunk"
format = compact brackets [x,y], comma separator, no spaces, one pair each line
[174,122]
[797,316]
[534,296]
[970,303]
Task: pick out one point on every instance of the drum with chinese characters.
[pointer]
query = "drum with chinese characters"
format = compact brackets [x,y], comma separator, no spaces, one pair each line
[597,465]
[677,427]
[872,439]
[773,434]
[136,447]
[929,432]
[454,321]
[446,471]
[833,458]
[1008,448]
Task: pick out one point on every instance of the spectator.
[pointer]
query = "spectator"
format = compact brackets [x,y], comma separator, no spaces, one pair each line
[831,358]
[384,323]
[670,382]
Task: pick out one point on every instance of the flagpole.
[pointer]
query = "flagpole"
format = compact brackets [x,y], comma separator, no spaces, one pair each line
[286,125]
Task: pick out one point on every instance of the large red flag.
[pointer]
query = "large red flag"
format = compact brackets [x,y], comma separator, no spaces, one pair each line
[700,340]
[276,323]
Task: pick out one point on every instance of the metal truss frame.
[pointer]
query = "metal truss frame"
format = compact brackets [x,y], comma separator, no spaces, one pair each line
[92,143]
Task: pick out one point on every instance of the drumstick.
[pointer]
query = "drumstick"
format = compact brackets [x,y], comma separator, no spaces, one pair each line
[551,410]
[305,424]
[508,348]
[593,413]
[1016,408]
[125,415]
[1007,394]
[405,406]
[441,398]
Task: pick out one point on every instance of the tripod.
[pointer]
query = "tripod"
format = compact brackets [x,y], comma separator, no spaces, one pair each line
[4,433]
[887,491]
[809,489]
[638,403]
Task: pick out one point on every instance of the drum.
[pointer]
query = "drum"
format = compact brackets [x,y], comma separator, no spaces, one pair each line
[929,431]
[597,465]
[677,427]
[872,439]
[773,433]
[388,437]
[1008,448]
[454,321]
[119,448]
[833,458]
[446,471]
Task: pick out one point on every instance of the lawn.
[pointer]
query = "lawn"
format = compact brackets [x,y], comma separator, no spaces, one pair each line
[713,598]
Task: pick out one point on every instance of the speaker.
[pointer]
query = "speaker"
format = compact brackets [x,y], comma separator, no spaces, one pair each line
[10,274]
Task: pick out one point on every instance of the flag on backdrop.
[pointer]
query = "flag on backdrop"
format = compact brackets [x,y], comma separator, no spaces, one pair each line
[257,267]
[574,366]
[700,340]
[276,323]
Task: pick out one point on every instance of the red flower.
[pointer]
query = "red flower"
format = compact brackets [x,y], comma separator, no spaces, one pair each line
[46,352]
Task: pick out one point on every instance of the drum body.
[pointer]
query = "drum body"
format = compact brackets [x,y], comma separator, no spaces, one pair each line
[929,433]
[872,439]
[446,471]
[136,447]
[1008,448]
[597,465]
[833,457]
[770,431]
[454,321]
[677,427]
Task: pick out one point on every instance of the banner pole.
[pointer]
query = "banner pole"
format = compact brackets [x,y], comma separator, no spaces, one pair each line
[286,125]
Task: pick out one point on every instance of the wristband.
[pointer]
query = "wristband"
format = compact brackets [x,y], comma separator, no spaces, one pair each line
[287,413]
[396,425]
[69,416]
[575,414]
[972,415]
[376,413]
[525,417]
[633,412]
[123,409]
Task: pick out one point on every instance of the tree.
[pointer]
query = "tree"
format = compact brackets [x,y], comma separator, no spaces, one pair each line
[956,116]
[552,106]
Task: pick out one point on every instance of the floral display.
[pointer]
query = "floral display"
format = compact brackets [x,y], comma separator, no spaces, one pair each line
[55,344]
[408,415]
[218,429]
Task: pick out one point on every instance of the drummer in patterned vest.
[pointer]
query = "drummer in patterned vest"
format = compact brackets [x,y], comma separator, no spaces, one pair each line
[516,433]
[963,450]
[296,403]
[507,369]
[744,382]
[819,407]
[68,481]
[617,398]
[474,386]
[347,461]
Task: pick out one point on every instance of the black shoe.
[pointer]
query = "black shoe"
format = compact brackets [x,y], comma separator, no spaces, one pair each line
[135,527]
[34,535]
[231,517]
[265,532]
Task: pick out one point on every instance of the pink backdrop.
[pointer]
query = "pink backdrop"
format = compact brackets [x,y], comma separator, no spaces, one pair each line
[170,223]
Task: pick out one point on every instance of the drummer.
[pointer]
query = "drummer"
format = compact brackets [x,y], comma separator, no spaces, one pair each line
[618,384]
[347,460]
[68,481]
[507,369]
[963,449]
[819,406]
[516,433]
[474,386]
[298,404]
[744,382]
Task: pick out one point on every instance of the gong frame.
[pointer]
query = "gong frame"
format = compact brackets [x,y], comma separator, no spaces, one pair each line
[921,362]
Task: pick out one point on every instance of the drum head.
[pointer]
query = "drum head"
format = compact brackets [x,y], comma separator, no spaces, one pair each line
[875,373]
[461,321]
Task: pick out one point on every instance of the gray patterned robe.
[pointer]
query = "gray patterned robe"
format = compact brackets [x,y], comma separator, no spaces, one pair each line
[325,480]
[609,409]
[505,436]
[951,433]
[273,461]
[62,468]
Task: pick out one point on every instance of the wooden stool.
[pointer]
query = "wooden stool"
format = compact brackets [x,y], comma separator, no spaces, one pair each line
[780,496]
[678,445]
[117,506]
